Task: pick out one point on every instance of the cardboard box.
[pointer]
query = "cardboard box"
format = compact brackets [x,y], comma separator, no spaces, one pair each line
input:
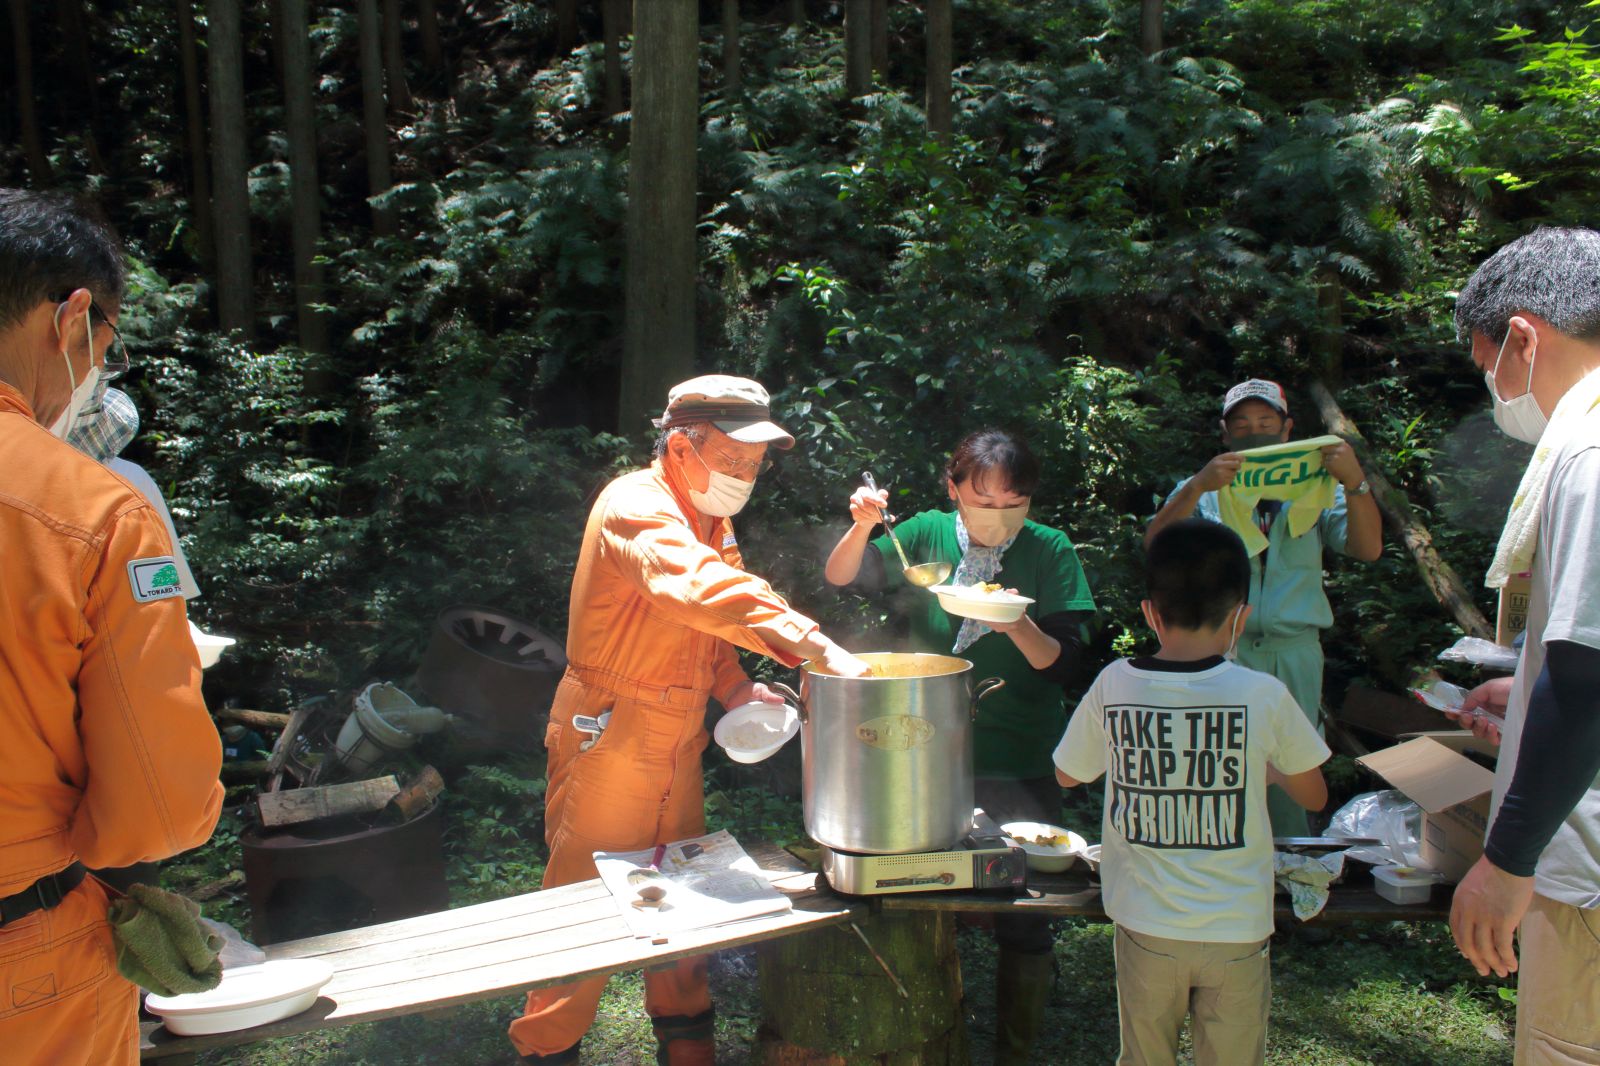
[1512,617]
[1453,792]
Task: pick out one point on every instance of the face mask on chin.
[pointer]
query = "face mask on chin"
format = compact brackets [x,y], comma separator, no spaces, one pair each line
[83,392]
[724,497]
[1520,419]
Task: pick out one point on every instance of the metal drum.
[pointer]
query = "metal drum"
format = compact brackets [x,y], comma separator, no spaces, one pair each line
[888,759]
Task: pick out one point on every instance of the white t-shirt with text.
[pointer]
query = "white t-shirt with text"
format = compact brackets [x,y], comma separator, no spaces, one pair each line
[1186,841]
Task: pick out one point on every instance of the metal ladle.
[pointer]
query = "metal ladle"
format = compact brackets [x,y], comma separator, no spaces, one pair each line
[923,575]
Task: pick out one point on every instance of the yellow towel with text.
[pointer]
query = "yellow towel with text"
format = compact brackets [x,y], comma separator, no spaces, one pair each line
[1290,472]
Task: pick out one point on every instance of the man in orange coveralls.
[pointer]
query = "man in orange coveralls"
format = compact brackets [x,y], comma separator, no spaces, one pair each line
[660,599]
[107,755]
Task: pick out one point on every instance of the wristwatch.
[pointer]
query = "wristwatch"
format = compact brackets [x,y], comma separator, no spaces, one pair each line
[1360,490]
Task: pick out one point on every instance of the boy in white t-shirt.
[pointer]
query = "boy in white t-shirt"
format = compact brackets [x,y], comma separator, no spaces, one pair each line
[1189,742]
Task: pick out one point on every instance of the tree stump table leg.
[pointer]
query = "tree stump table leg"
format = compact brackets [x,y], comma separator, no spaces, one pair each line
[827,1001]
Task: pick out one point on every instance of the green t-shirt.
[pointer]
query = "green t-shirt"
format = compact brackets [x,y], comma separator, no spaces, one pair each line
[1018,726]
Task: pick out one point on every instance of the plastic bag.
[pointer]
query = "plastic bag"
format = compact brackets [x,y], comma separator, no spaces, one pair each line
[236,950]
[1387,816]
[1480,652]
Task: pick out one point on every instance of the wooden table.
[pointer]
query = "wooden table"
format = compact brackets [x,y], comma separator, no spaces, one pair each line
[1074,894]
[505,946]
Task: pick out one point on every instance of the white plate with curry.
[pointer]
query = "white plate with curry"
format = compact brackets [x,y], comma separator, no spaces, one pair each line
[1050,848]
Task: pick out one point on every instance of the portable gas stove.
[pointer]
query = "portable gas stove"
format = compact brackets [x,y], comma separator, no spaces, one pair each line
[983,860]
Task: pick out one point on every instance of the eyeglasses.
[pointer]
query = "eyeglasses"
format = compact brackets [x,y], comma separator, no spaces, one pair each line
[115,360]
[744,469]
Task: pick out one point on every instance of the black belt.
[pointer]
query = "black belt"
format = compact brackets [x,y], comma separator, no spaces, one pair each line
[44,894]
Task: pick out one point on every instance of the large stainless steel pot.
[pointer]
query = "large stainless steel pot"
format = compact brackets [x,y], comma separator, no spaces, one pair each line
[888,759]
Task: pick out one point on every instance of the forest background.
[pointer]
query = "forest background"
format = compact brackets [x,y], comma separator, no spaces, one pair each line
[387,341]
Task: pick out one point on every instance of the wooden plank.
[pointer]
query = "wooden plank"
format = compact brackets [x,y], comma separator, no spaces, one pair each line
[579,962]
[408,994]
[418,795]
[459,918]
[295,805]
[509,938]
[270,720]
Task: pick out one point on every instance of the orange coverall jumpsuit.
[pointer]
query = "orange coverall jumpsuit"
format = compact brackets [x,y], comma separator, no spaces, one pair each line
[107,754]
[654,617]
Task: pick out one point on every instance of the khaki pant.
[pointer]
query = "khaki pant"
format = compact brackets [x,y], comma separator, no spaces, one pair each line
[1227,989]
[1558,986]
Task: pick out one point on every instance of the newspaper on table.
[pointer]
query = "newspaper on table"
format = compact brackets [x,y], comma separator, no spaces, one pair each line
[709,880]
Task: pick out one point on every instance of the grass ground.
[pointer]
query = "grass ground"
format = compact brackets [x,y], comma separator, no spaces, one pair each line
[1384,995]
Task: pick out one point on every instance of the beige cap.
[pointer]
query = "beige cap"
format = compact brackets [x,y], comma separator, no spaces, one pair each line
[739,407]
[1268,392]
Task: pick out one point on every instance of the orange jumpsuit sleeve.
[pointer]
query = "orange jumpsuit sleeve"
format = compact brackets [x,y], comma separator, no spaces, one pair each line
[690,583]
[151,749]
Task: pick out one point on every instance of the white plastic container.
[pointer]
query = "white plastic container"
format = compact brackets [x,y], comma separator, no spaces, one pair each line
[248,996]
[1403,884]
[384,723]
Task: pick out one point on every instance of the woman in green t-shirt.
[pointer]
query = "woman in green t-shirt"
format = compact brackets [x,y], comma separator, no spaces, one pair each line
[991,477]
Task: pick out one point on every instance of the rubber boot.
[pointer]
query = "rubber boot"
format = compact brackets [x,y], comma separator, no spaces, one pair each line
[686,1040]
[1022,985]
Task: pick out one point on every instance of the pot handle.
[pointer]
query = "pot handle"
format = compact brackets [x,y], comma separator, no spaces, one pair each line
[793,697]
[982,689]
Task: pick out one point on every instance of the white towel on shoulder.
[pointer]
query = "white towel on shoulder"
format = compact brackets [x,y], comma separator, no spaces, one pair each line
[1514,555]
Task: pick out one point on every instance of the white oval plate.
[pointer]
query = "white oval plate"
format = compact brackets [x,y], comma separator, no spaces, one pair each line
[248,996]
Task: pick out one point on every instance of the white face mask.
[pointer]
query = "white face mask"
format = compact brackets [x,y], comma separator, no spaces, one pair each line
[1521,418]
[1234,629]
[724,497]
[82,391]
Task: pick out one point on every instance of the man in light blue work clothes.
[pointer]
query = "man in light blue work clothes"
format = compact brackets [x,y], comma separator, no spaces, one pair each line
[1282,636]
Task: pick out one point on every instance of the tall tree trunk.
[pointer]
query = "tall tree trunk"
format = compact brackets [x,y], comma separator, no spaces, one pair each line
[1150,26]
[857,47]
[614,17]
[730,47]
[941,58]
[797,13]
[27,116]
[1328,339]
[74,24]
[305,208]
[372,113]
[1438,575]
[880,37]
[658,342]
[394,61]
[225,58]
[566,25]
[428,34]
[195,136]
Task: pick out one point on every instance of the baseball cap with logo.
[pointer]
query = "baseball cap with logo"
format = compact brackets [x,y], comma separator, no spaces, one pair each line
[1268,392]
[739,407]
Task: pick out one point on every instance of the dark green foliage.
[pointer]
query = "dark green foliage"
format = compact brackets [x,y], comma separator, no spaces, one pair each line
[1105,244]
